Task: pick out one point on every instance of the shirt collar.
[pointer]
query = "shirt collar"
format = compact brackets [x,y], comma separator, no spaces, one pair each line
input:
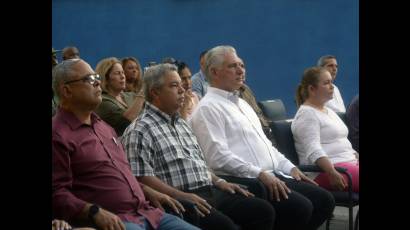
[202,75]
[73,121]
[168,119]
[231,96]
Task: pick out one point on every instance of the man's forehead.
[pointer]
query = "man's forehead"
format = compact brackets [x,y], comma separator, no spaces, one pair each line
[232,58]
[83,66]
[172,76]
[72,50]
[330,61]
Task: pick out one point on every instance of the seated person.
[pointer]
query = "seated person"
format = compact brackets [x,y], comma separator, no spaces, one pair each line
[92,182]
[329,62]
[190,99]
[164,154]
[133,74]
[246,94]
[199,81]
[319,133]
[70,52]
[352,120]
[231,136]
[118,108]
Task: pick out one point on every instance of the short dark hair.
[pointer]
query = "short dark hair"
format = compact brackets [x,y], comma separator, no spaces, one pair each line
[181,65]
[169,60]
[322,60]
[202,54]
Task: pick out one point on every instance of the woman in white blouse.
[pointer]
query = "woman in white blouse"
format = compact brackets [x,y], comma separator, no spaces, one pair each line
[320,135]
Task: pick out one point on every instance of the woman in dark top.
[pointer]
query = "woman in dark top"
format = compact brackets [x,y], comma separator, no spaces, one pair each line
[118,108]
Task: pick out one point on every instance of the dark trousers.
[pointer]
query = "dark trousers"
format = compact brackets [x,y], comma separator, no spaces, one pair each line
[307,208]
[234,211]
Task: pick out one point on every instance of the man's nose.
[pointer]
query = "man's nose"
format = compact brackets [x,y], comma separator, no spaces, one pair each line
[97,83]
[181,89]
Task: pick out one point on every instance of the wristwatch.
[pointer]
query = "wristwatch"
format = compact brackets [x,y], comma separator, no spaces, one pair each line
[92,211]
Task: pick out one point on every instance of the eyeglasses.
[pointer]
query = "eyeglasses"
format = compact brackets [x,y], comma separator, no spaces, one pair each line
[90,78]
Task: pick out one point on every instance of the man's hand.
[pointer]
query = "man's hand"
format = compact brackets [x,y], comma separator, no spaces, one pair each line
[276,187]
[159,199]
[60,225]
[202,207]
[233,188]
[298,175]
[106,220]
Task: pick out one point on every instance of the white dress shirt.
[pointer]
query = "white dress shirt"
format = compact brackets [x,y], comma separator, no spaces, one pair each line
[231,137]
[319,134]
[336,103]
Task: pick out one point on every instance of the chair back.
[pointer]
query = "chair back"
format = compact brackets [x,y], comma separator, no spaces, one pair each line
[273,109]
[284,139]
[342,116]
[286,145]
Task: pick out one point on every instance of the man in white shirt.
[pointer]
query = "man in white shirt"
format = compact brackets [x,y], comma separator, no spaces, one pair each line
[231,136]
[199,82]
[330,63]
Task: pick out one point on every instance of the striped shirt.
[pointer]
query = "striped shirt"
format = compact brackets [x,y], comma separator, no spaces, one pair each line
[163,146]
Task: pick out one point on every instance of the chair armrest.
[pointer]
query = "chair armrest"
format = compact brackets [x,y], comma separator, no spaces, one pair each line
[315,168]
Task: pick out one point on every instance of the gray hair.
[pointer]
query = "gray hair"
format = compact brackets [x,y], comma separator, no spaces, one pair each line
[63,72]
[322,60]
[215,58]
[154,77]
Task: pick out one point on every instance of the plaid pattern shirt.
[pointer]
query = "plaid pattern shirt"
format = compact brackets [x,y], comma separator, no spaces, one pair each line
[163,146]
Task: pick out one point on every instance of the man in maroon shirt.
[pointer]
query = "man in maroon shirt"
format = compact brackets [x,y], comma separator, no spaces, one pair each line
[91,179]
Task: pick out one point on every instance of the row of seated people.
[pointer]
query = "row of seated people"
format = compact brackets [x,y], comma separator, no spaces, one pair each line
[119,109]
[320,135]
[165,153]
[122,104]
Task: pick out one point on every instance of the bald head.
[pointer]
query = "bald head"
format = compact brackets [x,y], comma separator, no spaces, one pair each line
[70,53]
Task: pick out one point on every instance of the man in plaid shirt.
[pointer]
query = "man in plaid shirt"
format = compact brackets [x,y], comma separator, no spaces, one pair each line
[164,154]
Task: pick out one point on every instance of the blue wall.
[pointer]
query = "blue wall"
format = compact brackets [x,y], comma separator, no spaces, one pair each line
[277,39]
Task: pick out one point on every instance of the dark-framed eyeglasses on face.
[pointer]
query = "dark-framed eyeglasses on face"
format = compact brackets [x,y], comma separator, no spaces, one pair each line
[90,78]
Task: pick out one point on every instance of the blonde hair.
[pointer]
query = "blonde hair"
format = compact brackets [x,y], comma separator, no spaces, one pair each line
[311,76]
[104,68]
[138,83]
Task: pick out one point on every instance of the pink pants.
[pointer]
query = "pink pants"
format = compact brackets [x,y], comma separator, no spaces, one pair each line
[352,168]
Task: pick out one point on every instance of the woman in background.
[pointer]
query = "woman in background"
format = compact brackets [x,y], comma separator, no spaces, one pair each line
[118,108]
[133,75]
[191,99]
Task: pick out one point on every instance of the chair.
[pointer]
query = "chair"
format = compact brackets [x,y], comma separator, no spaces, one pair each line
[342,116]
[284,137]
[273,109]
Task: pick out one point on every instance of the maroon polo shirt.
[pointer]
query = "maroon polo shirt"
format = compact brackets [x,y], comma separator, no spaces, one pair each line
[90,165]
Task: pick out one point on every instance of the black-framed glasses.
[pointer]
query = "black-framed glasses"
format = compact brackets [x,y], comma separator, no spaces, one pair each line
[90,78]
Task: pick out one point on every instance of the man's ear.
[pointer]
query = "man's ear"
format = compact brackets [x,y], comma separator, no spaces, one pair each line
[66,91]
[213,70]
[154,92]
